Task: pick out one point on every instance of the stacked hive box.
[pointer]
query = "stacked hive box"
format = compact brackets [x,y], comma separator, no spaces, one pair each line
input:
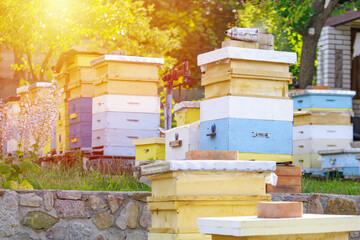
[126,105]
[75,113]
[321,122]
[187,112]
[12,108]
[32,92]
[256,119]
[181,193]
[149,148]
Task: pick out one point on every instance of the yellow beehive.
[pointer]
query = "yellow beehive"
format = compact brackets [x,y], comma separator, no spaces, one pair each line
[178,236]
[150,148]
[126,75]
[62,139]
[246,72]
[279,158]
[187,112]
[307,160]
[46,148]
[62,80]
[81,89]
[322,118]
[196,183]
[178,214]
[79,59]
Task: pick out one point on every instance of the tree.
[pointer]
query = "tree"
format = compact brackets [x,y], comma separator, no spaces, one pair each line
[39,30]
[307,18]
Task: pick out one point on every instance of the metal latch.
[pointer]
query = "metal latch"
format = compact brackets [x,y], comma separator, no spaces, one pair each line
[260,134]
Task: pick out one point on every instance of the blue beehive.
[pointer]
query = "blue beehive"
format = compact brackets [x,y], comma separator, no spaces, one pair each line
[247,135]
[322,99]
[80,135]
[340,160]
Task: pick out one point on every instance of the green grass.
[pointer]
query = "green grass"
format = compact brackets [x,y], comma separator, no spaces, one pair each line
[75,178]
[330,186]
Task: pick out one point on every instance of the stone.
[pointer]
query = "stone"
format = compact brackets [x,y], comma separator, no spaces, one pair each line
[21,236]
[9,214]
[136,236]
[121,221]
[39,220]
[341,206]
[70,209]
[57,233]
[100,237]
[48,201]
[133,211]
[103,220]
[69,195]
[314,204]
[114,203]
[115,234]
[279,209]
[140,196]
[78,231]
[97,203]
[30,200]
[145,219]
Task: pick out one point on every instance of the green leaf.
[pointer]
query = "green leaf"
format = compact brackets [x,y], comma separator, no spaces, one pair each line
[19,153]
[11,185]
[35,183]
[28,167]
[5,168]
[26,185]
[16,167]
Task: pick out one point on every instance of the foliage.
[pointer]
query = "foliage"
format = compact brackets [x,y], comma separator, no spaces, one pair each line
[40,30]
[18,173]
[330,186]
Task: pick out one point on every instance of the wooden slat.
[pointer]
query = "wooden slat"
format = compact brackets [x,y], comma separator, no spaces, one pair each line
[288,171]
[289,181]
[282,189]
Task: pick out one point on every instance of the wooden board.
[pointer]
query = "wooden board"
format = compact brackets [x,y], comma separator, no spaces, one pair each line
[126,87]
[323,132]
[288,171]
[82,75]
[279,158]
[187,116]
[79,60]
[178,236]
[315,145]
[81,90]
[126,103]
[62,139]
[282,189]
[322,118]
[289,181]
[248,136]
[246,107]
[126,120]
[211,155]
[316,236]
[154,151]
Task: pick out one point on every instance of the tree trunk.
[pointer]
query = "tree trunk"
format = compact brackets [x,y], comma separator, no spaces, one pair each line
[18,74]
[307,62]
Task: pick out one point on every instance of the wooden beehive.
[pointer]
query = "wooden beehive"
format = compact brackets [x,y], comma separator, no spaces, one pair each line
[322,118]
[187,112]
[289,180]
[150,148]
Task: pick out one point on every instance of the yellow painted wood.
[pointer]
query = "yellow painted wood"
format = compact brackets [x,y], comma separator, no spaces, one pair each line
[82,74]
[313,236]
[147,141]
[187,116]
[73,116]
[79,60]
[239,77]
[64,144]
[322,118]
[179,215]
[196,183]
[62,80]
[127,70]
[126,87]
[178,236]
[63,110]
[325,109]
[279,158]
[81,89]
[47,148]
[307,160]
[150,151]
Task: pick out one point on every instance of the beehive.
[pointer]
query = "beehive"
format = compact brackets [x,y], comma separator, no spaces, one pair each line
[246,72]
[150,148]
[181,192]
[126,75]
[289,180]
[340,160]
[187,112]
[322,118]
[181,139]
[62,139]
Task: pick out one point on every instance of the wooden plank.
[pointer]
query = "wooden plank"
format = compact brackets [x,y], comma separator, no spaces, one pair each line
[139,88]
[314,145]
[289,180]
[288,171]
[282,189]
[314,236]
[211,155]
[279,158]
[323,118]
[307,160]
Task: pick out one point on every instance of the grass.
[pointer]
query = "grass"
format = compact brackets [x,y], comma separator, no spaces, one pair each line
[330,186]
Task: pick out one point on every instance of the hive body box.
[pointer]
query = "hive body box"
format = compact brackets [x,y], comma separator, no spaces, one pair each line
[81,82]
[126,75]
[341,160]
[150,148]
[322,118]
[322,99]
[188,139]
[181,193]
[187,112]
[247,136]
[323,132]
[62,128]
[242,71]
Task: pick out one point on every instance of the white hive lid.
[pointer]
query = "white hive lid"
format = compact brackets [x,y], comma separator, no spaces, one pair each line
[186,104]
[123,58]
[321,92]
[246,54]
[33,86]
[209,165]
[254,226]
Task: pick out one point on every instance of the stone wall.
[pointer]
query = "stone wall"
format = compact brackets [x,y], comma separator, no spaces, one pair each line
[73,215]
[325,204]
